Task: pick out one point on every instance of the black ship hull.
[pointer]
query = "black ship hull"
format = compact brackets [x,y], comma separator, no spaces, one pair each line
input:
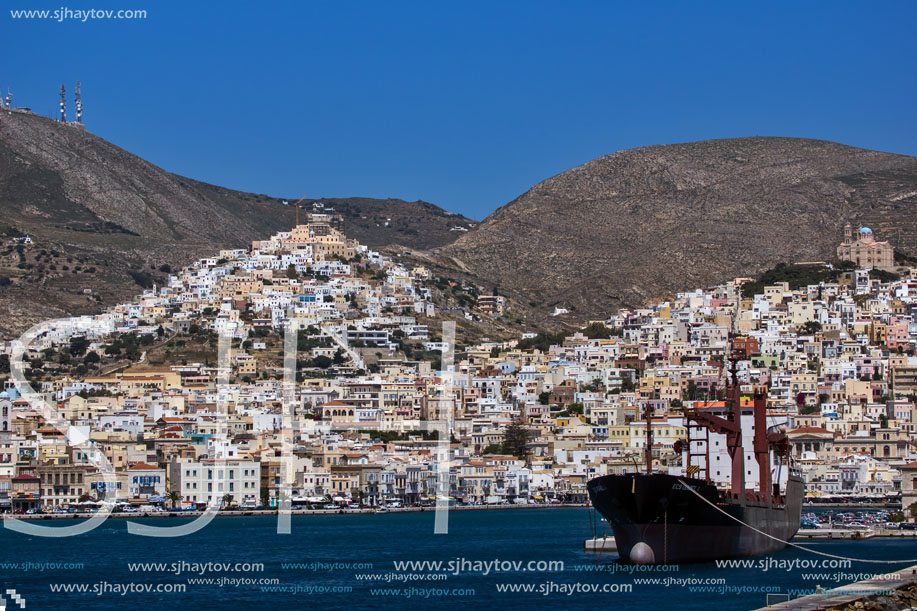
[657,520]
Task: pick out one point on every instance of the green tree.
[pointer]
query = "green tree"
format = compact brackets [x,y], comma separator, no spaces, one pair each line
[174,498]
[516,439]
[78,345]
[811,327]
[808,409]
[143,279]
[599,331]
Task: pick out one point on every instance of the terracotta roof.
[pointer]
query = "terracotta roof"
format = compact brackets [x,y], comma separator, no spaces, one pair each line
[143,465]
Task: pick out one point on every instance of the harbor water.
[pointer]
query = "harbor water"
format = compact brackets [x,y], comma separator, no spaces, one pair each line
[510,559]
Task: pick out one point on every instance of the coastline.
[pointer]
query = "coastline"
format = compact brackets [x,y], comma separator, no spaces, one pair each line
[273,512]
[888,592]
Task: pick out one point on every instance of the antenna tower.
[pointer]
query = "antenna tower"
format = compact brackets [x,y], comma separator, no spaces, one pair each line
[79,104]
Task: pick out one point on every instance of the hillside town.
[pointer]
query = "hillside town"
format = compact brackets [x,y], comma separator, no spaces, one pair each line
[335,370]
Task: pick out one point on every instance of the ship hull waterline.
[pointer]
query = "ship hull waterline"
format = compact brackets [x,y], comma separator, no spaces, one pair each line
[657,520]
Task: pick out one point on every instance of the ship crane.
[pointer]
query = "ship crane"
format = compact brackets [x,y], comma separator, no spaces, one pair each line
[731,427]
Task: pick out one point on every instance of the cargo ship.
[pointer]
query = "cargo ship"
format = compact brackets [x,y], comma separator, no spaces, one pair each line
[660,518]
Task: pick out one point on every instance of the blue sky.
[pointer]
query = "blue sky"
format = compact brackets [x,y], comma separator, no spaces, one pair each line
[463,104]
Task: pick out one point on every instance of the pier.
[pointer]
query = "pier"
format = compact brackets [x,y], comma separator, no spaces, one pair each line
[607,544]
[852,534]
[896,590]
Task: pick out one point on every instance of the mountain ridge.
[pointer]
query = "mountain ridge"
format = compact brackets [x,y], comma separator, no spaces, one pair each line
[640,224]
[109,210]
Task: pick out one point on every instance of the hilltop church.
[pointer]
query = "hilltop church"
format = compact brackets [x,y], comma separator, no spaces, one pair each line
[865,251]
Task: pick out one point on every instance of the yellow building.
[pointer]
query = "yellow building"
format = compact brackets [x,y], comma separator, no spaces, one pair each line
[865,251]
[325,240]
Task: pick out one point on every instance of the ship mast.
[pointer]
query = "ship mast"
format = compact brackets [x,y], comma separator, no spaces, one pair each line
[648,457]
[734,444]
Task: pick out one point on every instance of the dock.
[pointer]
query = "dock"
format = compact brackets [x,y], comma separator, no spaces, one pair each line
[835,533]
[901,583]
[607,544]
[852,534]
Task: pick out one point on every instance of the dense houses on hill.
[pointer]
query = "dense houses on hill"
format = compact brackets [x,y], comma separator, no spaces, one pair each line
[368,410]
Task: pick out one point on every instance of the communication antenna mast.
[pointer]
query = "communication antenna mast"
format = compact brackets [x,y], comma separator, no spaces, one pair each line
[79,104]
[63,105]
[9,99]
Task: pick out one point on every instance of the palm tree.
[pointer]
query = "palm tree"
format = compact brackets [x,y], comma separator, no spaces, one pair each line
[227,499]
[174,498]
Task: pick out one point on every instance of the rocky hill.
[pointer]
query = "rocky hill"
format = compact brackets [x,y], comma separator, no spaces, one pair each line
[641,224]
[105,222]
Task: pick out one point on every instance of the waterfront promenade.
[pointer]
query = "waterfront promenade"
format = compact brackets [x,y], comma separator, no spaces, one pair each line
[298,512]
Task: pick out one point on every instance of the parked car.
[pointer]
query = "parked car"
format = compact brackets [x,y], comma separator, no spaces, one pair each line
[809,524]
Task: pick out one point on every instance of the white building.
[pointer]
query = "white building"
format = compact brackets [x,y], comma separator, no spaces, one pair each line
[203,481]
